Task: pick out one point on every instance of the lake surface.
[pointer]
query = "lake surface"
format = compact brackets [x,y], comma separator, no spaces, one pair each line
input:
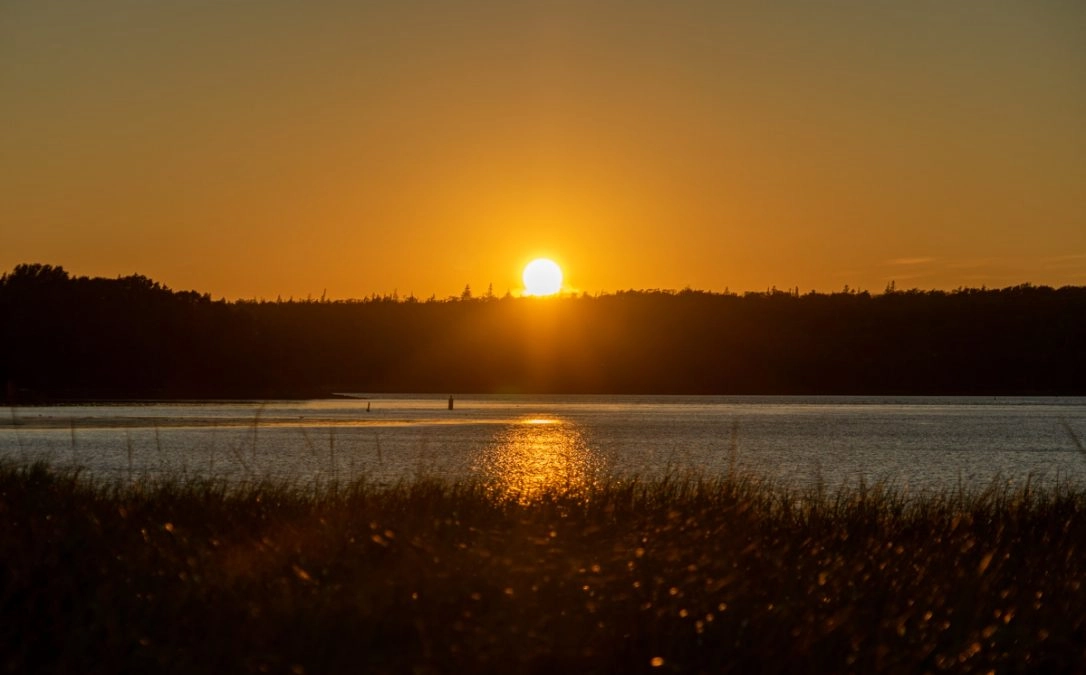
[522,444]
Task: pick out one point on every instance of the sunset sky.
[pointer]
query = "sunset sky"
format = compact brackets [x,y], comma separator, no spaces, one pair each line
[286,148]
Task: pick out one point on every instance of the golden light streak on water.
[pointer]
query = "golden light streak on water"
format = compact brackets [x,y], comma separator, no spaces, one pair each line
[536,457]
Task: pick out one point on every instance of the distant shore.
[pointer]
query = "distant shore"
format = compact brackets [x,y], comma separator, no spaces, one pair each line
[77,338]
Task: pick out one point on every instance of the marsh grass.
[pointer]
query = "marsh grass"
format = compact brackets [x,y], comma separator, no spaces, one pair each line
[678,574]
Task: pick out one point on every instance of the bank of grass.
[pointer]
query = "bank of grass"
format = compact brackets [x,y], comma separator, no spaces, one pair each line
[679,575]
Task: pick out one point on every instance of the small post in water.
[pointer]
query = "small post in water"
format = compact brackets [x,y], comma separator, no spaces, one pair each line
[450,402]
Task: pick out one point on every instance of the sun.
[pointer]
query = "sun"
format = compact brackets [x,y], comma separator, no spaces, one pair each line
[542,277]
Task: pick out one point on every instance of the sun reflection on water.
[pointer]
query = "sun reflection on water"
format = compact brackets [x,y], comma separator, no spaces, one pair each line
[538,456]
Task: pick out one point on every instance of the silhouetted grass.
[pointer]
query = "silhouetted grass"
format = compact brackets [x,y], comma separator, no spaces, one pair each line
[722,575]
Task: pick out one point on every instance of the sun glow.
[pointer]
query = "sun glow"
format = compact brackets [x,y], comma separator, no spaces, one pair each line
[542,277]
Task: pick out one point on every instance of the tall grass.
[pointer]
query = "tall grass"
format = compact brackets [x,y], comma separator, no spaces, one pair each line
[670,575]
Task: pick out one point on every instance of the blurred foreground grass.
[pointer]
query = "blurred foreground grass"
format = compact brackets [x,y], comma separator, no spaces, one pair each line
[727,575]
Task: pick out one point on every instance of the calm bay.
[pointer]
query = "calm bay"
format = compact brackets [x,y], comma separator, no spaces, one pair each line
[525,443]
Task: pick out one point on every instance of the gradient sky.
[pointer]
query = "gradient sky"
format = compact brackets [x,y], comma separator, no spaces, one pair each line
[284,148]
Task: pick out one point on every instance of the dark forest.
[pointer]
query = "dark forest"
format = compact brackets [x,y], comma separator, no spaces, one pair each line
[71,338]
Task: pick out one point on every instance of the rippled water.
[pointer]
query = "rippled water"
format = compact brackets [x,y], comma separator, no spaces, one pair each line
[523,444]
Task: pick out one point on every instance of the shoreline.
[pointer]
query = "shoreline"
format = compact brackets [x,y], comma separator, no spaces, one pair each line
[711,576]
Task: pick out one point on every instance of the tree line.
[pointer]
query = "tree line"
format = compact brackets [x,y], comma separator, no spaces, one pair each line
[65,337]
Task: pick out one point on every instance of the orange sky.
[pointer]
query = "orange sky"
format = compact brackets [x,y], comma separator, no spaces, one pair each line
[283,148]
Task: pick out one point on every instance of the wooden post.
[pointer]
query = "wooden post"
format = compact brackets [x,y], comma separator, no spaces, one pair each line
[450,402]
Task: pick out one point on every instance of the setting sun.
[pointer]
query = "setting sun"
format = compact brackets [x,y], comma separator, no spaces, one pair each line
[542,277]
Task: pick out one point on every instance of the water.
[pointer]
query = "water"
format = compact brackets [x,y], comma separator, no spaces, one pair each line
[523,444]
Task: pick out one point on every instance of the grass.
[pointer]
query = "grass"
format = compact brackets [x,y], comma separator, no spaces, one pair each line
[671,575]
